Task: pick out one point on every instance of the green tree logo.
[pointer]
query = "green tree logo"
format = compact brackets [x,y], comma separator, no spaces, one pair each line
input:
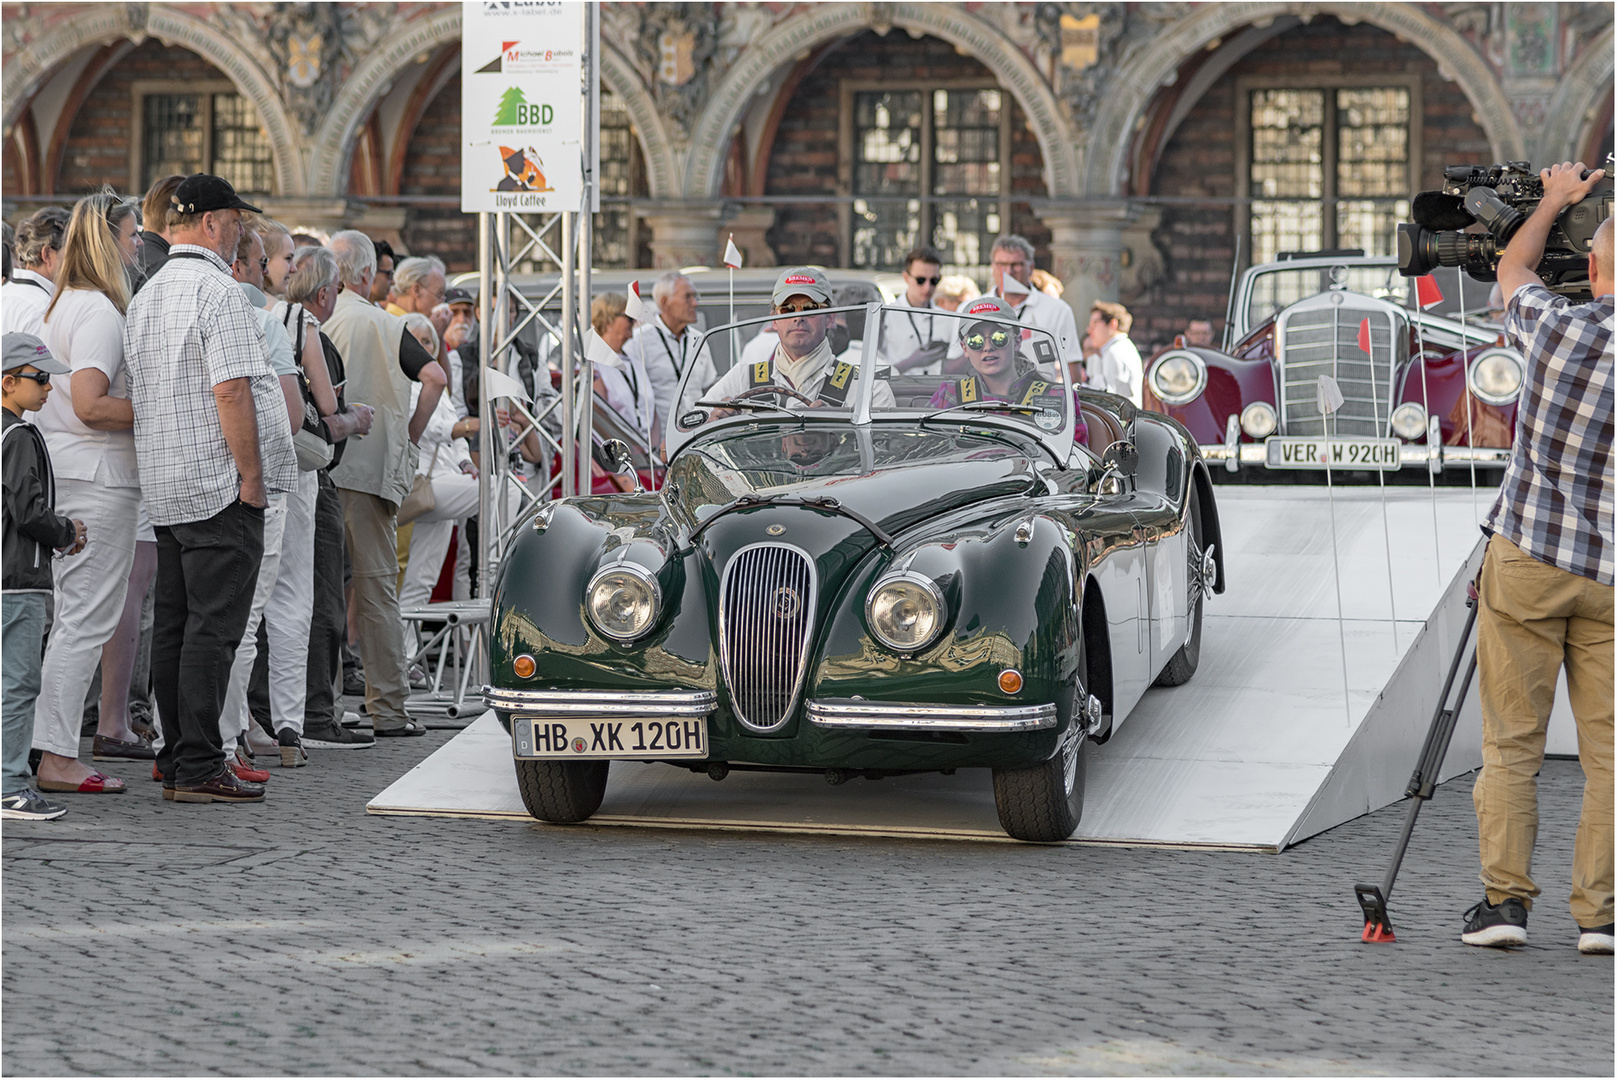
[512,110]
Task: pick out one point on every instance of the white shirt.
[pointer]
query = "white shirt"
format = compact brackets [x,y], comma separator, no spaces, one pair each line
[804,375]
[457,383]
[666,357]
[1047,313]
[1117,368]
[86,333]
[630,394]
[23,301]
[441,453]
[910,328]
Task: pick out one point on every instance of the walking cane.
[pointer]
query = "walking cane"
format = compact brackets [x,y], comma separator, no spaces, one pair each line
[1423,782]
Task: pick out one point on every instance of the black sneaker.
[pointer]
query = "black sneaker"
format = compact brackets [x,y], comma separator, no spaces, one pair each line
[293,756]
[333,736]
[353,683]
[1498,927]
[1595,940]
[30,805]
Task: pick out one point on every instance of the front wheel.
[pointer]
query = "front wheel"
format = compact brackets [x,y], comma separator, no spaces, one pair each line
[1043,803]
[562,792]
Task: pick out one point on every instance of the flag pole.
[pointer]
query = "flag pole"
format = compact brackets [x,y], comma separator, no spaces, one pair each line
[732,259]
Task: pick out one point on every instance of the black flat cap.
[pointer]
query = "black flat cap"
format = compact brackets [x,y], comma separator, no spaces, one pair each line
[201,192]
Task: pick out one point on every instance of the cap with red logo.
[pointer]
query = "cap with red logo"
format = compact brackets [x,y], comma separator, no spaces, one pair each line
[991,306]
[802,281]
[26,350]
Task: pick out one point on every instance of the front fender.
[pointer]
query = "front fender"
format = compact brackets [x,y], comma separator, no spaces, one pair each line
[1232,385]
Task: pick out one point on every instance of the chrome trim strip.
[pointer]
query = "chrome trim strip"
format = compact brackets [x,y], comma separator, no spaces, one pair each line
[602,702]
[907,716]
[1410,452]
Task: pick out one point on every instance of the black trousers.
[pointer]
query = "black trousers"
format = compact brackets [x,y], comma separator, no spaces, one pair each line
[206,573]
[328,628]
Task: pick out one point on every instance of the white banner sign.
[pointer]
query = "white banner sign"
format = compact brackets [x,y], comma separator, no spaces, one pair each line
[521,105]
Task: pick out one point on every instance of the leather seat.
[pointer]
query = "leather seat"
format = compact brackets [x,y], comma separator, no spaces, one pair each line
[1104,430]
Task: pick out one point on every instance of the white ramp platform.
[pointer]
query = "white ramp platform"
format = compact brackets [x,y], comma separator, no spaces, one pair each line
[1261,749]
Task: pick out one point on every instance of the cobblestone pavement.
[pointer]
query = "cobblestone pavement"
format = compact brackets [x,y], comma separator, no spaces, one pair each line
[303,936]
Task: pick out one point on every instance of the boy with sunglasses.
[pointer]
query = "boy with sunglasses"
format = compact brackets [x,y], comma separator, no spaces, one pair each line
[32,529]
[916,341]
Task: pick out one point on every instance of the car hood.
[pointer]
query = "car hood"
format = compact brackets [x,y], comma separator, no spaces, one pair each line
[896,478]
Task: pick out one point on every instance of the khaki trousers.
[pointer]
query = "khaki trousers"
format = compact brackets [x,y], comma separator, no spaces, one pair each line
[368,522]
[1533,618]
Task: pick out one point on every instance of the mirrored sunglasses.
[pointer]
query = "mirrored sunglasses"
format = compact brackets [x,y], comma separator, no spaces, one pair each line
[799,309]
[997,338]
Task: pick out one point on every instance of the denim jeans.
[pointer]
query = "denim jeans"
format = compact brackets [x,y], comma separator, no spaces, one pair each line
[20,652]
[206,572]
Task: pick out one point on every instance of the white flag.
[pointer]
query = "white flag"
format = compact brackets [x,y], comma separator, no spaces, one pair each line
[502,385]
[1328,396]
[599,352]
[732,254]
[637,309]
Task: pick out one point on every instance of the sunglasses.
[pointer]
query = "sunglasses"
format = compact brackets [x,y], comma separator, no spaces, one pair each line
[998,339]
[43,378]
[799,309]
[928,280]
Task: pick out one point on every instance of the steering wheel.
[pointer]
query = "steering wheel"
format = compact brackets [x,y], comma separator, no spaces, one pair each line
[773,388]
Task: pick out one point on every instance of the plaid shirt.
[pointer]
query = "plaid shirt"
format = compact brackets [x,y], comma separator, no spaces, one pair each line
[1556,500]
[188,330]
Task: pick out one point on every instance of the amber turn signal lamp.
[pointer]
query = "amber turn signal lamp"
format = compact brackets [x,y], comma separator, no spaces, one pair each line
[524,666]
[1010,680]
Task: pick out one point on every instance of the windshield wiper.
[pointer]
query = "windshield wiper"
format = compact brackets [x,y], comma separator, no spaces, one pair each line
[822,502]
[985,406]
[735,403]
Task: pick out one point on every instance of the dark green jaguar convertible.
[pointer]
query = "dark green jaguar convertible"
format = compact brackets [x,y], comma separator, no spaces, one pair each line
[857,571]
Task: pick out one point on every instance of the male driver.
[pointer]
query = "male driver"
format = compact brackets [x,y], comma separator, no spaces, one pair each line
[24,299]
[803,360]
[1011,264]
[375,474]
[205,404]
[917,340]
[1116,366]
[1546,584]
[667,344]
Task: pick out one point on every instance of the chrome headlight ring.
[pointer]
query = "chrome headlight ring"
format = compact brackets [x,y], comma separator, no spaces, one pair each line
[1178,376]
[623,601]
[1258,420]
[1496,376]
[905,611]
[1409,420]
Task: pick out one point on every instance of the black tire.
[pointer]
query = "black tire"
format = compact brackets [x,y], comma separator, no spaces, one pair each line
[562,792]
[1043,803]
[1182,665]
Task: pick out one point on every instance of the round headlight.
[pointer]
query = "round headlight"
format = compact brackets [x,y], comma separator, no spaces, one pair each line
[623,601]
[905,612]
[1177,377]
[1258,420]
[1496,376]
[1409,420]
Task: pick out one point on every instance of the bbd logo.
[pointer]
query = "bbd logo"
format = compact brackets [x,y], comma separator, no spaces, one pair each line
[516,111]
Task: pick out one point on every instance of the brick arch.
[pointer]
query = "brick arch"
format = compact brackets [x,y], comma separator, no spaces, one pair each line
[334,141]
[782,44]
[1135,82]
[1585,88]
[28,69]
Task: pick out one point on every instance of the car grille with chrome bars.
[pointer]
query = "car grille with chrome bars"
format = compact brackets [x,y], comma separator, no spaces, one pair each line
[766,613]
[1324,340]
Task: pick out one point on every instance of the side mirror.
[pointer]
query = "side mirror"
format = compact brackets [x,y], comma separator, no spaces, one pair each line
[617,452]
[1121,456]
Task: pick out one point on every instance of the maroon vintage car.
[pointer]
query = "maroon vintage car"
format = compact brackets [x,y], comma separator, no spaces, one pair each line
[1403,373]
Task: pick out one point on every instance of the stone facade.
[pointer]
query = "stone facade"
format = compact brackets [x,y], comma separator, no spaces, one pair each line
[1119,111]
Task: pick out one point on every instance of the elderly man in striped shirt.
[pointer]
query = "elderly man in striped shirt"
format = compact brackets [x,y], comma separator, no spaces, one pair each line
[212,442]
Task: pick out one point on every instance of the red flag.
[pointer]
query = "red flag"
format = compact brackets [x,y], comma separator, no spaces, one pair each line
[1364,335]
[1426,291]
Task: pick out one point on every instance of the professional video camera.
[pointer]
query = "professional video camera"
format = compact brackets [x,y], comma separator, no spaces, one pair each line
[1500,197]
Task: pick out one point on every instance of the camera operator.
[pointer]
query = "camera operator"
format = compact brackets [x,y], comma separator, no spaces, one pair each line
[1546,584]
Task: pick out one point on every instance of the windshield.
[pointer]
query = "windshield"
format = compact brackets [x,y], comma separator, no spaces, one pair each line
[1274,288]
[876,363]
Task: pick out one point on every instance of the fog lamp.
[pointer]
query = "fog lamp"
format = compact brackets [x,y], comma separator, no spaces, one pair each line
[1409,420]
[1258,420]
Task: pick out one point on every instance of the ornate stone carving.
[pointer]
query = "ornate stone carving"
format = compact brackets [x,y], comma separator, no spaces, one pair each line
[306,41]
[739,26]
[1083,44]
[674,47]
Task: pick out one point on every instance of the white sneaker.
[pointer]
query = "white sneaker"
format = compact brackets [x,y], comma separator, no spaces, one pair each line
[1595,940]
[352,719]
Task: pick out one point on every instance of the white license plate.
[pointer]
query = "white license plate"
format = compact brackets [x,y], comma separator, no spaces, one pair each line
[1290,452]
[601,737]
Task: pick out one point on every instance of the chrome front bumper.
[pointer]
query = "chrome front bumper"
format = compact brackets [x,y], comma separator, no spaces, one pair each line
[652,703]
[1256,454]
[904,716]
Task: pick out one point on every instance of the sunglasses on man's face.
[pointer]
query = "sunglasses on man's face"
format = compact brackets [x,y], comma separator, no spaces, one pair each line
[928,280]
[997,339]
[43,378]
[799,309]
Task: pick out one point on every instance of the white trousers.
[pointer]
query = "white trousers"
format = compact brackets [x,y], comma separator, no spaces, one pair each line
[455,499]
[90,591]
[290,609]
[233,718]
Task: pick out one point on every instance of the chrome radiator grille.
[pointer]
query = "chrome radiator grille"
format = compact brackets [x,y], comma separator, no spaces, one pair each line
[1324,340]
[766,620]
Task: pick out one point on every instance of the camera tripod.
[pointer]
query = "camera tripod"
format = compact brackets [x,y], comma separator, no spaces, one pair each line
[1423,782]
